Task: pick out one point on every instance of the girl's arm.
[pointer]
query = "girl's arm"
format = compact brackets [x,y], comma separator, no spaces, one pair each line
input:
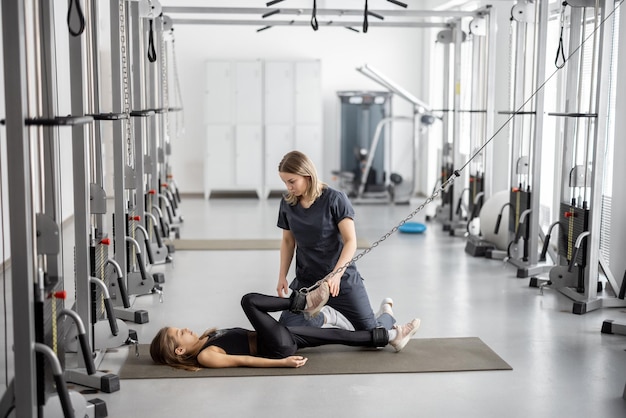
[348,235]
[287,248]
[214,359]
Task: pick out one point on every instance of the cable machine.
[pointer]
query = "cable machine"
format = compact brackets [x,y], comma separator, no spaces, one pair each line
[529,33]
[583,230]
[452,220]
[480,118]
[39,385]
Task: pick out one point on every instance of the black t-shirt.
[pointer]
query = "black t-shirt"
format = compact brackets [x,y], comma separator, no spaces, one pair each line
[316,231]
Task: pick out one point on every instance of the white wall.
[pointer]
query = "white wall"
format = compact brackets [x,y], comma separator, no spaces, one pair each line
[395,52]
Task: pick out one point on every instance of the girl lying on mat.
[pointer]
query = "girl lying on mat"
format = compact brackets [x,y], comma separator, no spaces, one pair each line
[271,344]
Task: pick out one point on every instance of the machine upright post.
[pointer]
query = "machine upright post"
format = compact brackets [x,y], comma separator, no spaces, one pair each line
[22,219]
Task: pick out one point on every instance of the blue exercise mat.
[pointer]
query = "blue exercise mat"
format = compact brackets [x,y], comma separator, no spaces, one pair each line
[412,228]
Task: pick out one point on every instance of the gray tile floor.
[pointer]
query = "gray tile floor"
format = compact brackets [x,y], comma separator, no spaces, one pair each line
[562,364]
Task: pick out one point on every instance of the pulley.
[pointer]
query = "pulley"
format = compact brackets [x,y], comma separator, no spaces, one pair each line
[149,9]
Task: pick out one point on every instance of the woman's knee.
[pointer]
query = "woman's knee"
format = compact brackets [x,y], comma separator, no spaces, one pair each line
[248,300]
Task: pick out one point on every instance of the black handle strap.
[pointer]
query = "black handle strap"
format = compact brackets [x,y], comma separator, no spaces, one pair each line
[75,9]
[559,60]
[314,23]
[151,50]
[365,22]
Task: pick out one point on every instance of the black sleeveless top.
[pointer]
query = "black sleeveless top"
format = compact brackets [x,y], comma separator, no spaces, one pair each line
[232,340]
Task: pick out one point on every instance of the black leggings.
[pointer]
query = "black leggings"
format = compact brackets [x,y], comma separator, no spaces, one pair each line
[275,340]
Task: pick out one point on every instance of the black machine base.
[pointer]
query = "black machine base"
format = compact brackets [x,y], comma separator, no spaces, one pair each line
[478,247]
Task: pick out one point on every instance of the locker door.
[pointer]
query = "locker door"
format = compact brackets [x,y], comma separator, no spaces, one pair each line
[248,93]
[308,92]
[249,156]
[218,93]
[279,90]
[220,152]
[278,142]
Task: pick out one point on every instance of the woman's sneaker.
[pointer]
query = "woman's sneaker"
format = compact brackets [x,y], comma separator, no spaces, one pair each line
[316,299]
[404,334]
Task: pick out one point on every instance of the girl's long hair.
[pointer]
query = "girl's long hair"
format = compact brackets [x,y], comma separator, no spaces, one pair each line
[296,162]
[162,351]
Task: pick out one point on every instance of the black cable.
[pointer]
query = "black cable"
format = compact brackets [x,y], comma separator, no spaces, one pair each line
[152,57]
[365,22]
[80,16]
[314,23]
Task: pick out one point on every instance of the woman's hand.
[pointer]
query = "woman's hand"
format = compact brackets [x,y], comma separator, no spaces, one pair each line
[282,288]
[334,284]
[295,361]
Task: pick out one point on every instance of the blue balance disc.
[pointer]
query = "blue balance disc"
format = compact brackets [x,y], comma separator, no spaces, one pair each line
[412,228]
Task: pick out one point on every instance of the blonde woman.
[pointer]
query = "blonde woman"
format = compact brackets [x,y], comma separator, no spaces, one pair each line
[317,225]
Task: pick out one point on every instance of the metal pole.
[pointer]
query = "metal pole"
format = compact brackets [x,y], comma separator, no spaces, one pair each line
[538,134]
[119,157]
[21,216]
[457,36]
[80,163]
[602,81]
[491,77]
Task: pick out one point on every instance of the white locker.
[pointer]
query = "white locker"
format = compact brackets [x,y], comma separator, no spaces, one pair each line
[255,113]
[234,115]
[293,114]
[248,93]
[219,173]
[308,93]
[279,90]
[278,141]
[219,93]
[248,156]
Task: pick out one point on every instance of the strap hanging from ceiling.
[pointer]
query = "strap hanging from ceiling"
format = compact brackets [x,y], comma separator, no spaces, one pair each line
[560,52]
[152,57]
[75,13]
[314,23]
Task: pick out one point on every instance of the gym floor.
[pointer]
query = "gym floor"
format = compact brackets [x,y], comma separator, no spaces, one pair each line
[563,365]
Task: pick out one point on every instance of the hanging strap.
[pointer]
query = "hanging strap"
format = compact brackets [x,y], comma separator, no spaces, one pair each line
[314,23]
[75,5]
[365,22]
[151,51]
[560,52]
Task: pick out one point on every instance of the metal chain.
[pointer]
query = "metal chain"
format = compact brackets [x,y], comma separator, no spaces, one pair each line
[126,94]
[427,201]
[178,93]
